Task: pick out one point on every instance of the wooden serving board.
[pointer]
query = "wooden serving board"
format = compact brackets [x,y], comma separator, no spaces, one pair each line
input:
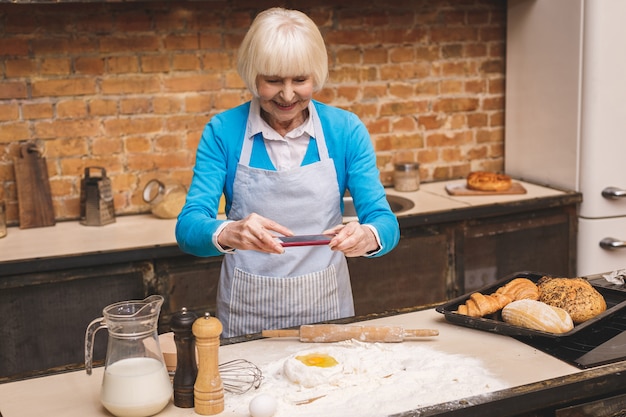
[460,188]
[33,189]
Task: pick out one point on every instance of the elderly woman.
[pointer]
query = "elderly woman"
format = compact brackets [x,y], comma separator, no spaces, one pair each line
[283,162]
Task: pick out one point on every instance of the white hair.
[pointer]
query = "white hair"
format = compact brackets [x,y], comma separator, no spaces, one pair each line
[283,43]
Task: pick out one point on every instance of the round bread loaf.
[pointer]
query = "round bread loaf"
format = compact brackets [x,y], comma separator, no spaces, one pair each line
[488,181]
[574,295]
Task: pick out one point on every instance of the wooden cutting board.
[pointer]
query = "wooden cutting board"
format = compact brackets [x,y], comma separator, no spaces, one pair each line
[460,188]
[33,188]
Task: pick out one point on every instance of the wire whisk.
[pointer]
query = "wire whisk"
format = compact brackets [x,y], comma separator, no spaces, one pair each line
[240,376]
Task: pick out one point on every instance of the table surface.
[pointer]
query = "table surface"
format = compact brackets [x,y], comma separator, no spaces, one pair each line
[74,394]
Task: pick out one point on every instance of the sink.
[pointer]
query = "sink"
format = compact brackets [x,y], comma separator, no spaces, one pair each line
[398,205]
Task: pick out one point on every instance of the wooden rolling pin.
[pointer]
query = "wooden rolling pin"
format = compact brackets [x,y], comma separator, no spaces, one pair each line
[320,333]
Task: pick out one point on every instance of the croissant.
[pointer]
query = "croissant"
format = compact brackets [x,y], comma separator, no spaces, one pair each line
[480,305]
[520,289]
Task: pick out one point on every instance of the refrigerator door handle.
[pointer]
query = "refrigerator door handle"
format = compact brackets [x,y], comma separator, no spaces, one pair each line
[613,192]
[611,243]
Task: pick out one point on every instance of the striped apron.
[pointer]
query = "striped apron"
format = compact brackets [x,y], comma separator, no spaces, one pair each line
[307,284]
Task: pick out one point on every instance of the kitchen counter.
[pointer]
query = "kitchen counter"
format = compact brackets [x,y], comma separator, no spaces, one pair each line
[132,236]
[449,244]
[534,379]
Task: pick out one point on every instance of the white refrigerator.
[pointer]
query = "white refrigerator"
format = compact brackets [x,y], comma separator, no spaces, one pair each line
[565,120]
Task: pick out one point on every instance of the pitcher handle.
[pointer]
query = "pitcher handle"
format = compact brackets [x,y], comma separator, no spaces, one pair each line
[90,335]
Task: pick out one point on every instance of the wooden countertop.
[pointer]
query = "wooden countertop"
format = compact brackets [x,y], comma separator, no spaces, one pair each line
[145,231]
[77,394]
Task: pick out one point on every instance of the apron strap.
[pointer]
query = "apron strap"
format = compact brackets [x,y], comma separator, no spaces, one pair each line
[248,139]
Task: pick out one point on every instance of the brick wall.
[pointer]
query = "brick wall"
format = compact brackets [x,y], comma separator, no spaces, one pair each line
[129,86]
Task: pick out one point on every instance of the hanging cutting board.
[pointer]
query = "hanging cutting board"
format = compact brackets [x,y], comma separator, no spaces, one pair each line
[33,188]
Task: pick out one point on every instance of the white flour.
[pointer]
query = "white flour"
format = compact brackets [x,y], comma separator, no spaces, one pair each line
[371,380]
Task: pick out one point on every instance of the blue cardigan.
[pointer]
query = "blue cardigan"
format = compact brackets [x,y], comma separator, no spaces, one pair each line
[349,146]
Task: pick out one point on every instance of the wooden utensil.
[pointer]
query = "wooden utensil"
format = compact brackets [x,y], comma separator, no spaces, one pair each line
[321,333]
[33,188]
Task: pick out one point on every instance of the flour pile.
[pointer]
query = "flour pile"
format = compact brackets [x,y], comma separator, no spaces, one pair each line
[370,380]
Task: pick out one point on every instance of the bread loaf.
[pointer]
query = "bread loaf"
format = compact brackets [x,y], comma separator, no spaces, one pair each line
[488,181]
[536,315]
[574,295]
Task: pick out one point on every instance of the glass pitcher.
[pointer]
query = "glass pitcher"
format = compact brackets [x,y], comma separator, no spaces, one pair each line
[135,381]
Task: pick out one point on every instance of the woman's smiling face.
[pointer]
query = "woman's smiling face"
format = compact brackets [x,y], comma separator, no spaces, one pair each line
[283,100]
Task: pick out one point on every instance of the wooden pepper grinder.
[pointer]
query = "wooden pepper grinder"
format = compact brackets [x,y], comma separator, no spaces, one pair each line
[186,367]
[208,389]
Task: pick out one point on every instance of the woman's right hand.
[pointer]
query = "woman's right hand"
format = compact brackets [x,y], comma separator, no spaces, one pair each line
[253,233]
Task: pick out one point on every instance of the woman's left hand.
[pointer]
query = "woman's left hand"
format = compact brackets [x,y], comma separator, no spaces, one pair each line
[353,239]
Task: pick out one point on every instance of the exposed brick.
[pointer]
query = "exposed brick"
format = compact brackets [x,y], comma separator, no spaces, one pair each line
[185,62]
[122,64]
[100,107]
[211,41]
[181,42]
[167,143]
[89,65]
[449,105]
[24,67]
[106,145]
[223,100]
[130,84]
[71,109]
[63,46]
[132,126]
[63,148]
[217,61]
[139,105]
[14,47]
[137,144]
[168,105]
[12,90]
[37,110]
[132,88]
[129,43]
[155,63]
[9,111]
[405,124]
[349,56]
[14,131]
[200,82]
[66,128]
[63,87]
[55,66]
[451,87]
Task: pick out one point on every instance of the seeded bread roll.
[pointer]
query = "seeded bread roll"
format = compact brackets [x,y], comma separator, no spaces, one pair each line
[488,181]
[574,295]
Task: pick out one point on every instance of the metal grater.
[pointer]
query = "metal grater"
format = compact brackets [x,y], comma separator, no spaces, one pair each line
[96,198]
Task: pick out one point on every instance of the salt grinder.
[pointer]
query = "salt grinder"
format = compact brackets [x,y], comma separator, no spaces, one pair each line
[186,367]
[208,389]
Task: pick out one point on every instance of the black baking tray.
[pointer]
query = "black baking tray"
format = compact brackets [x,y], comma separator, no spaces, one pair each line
[614,295]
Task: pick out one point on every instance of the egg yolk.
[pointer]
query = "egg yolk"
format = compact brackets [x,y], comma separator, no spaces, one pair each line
[321,360]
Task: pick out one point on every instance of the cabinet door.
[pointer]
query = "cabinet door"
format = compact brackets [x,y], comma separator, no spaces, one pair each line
[415,273]
[543,241]
[187,281]
[45,316]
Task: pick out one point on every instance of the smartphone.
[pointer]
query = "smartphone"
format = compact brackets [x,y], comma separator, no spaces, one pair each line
[305,240]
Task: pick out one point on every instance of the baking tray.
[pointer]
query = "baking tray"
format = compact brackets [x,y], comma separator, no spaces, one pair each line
[614,295]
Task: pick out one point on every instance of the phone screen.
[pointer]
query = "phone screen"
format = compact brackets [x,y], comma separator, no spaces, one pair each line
[305,240]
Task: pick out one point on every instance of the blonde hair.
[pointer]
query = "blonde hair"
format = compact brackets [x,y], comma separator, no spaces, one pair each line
[283,43]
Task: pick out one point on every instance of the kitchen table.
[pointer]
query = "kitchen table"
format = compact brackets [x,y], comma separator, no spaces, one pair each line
[448,244]
[535,380]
